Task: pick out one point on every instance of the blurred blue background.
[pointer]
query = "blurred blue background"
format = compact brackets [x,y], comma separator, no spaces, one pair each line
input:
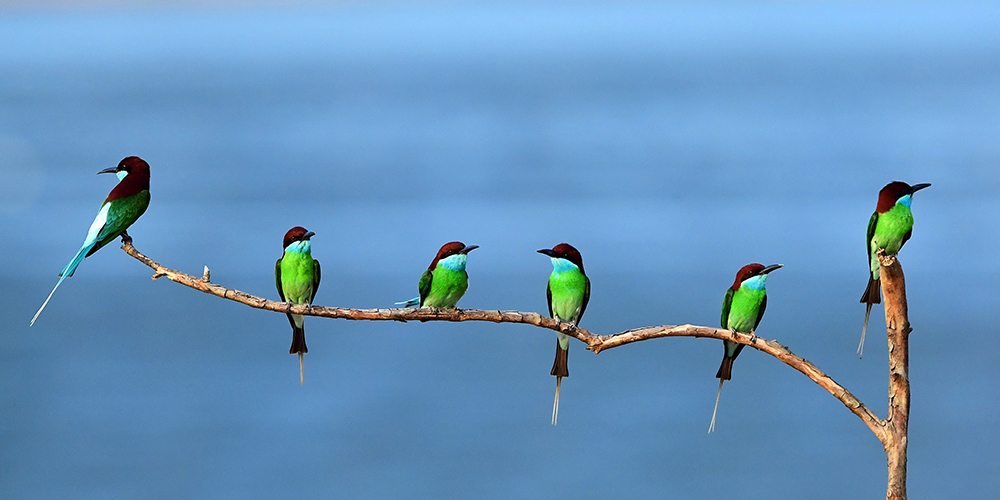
[671,144]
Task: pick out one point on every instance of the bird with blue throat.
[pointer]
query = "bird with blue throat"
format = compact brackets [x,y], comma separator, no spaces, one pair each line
[888,230]
[742,309]
[567,294]
[445,280]
[297,275]
[123,206]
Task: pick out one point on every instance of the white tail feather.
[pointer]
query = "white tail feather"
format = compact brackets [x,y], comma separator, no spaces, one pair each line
[711,427]
[302,370]
[864,329]
[61,278]
[555,405]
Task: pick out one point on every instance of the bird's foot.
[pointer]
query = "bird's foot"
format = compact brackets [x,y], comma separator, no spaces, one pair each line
[732,332]
[753,337]
[126,239]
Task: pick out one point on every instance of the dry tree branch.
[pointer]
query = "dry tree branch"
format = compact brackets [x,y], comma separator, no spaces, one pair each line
[898,330]
[891,431]
[596,343]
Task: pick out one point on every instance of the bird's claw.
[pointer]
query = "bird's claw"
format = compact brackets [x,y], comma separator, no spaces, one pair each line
[126,239]
[732,332]
[753,337]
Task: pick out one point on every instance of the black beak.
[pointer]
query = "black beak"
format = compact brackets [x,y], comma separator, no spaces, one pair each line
[468,249]
[115,169]
[548,252]
[772,267]
[918,187]
[308,235]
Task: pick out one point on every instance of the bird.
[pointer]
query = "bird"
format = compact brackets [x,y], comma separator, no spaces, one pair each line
[742,309]
[567,293]
[123,206]
[297,275]
[888,229]
[445,280]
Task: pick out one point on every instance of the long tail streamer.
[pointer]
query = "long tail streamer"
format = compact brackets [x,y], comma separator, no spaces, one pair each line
[711,427]
[555,405]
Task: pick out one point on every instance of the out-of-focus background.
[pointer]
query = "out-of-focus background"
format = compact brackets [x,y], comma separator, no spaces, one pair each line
[671,144]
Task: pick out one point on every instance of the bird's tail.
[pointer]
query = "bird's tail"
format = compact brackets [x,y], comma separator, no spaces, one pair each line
[555,404]
[414,302]
[726,369]
[560,369]
[711,427]
[73,264]
[66,273]
[871,296]
[299,347]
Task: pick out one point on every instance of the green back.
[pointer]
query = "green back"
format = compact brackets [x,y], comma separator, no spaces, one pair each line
[297,277]
[568,294]
[888,231]
[442,287]
[746,308]
[121,215]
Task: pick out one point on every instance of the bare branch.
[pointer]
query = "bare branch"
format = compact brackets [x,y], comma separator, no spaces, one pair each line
[898,330]
[596,343]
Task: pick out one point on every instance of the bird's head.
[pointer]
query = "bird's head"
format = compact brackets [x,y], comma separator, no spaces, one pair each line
[562,255]
[896,192]
[129,165]
[298,236]
[753,275]
[453,255]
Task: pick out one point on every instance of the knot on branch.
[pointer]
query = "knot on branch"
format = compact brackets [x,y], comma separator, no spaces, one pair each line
[885,259]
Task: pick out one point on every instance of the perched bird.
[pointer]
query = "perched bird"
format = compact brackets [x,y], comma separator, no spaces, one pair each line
[567,293]
[888,229]
[123,206]
[445,281]
[297,274]
[742,310]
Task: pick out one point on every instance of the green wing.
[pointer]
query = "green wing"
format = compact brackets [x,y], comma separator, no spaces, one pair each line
[121,215]
[316,276]
[586,298]
[726,304]
[548,297]
[870,234]
[425,285]
[277,279]
[760,313]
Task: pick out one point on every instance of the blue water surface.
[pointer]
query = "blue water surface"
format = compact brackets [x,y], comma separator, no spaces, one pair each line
[671,144]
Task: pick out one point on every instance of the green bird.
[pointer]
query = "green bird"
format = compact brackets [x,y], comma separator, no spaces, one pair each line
[742,309]
[123,206]
[888,229]
[297,275]
[567,293]
[445,280]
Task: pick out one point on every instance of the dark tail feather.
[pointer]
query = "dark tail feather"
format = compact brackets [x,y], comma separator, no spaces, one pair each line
[560,368]
[299,347]
[726,370]
[872,295]
[298,341]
